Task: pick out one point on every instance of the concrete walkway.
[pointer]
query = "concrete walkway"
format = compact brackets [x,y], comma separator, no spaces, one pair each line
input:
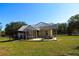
[41,39]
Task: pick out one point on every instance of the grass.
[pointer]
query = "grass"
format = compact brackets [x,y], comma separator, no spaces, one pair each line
[65,45]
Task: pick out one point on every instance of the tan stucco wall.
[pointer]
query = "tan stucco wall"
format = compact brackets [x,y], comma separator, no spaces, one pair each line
[43,32]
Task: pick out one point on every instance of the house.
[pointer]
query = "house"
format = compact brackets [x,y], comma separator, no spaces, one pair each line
[26,32]
[75,32]
[40,30]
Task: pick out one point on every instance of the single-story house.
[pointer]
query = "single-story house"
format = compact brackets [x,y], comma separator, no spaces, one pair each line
[40,30]
[75,32]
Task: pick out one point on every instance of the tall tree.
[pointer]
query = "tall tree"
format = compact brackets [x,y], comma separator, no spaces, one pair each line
[62,28]
[12,27]
[0,28]
[73,24]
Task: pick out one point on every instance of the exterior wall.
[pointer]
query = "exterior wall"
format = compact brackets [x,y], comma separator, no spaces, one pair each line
[30,34]
[21,35]
[48,33]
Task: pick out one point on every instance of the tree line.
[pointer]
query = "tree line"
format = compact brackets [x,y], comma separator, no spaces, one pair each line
[71,27]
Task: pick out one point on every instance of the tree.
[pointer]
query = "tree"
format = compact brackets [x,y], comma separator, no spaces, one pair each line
[0,27]
[62,28]
[73,24]
[2,33]
[12,27]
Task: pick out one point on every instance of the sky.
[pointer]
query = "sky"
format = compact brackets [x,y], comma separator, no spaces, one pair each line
[33,13]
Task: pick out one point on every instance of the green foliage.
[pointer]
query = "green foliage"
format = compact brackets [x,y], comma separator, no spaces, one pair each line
[12,27]
[62,28]
[2,33]
[73,24]
[0,27]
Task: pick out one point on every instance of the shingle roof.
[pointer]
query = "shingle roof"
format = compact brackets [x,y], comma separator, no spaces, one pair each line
[43,25]
[26,28]
[22,28]
[38,26]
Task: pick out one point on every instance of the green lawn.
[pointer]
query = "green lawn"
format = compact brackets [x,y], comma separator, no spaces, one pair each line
[65,45]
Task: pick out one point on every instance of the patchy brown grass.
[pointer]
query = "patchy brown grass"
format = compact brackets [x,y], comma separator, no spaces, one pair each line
[65,45]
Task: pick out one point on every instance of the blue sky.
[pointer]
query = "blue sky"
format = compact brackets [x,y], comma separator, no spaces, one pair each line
[33,13]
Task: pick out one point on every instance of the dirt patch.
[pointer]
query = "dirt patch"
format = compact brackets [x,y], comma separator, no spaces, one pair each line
[3,52]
